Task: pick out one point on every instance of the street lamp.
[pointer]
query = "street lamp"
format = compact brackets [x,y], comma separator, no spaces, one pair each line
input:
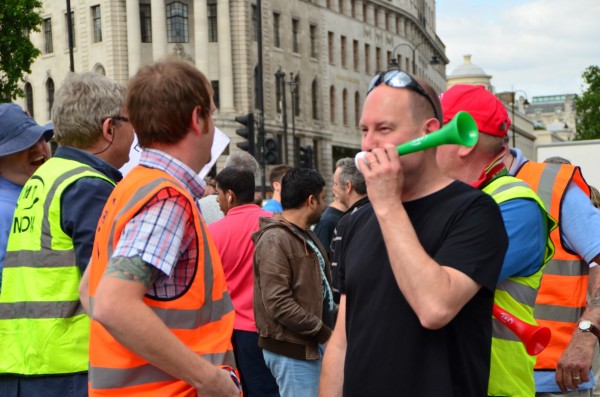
[434,60]
[280,75]
[292,83]
[525,103]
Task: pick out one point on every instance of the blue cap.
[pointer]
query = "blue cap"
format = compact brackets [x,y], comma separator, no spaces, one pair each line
[18,131]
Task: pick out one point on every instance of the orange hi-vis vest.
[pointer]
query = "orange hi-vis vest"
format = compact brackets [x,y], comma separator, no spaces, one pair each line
[202,317]
[561,299]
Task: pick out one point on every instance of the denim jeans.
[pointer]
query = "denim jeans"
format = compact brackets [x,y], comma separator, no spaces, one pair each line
[257,380]
[295,378]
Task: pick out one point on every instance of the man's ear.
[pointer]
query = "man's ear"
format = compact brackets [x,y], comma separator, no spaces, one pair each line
[197,121]
[108,129]
[464,151]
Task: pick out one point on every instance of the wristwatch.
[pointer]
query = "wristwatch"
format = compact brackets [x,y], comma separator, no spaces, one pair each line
[587,326]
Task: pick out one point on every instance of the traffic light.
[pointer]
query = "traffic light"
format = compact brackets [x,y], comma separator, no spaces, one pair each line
[271,154]
[247,132]
[305,156]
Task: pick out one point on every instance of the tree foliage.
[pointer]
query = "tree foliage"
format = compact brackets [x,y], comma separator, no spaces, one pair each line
[17,19]
[588,106]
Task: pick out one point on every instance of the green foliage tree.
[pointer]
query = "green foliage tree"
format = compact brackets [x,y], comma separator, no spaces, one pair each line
[588,106]
[17,19]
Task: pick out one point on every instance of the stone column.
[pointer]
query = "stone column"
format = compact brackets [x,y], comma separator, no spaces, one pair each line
[225,58]
[134,35]
[159,29]
[201,35]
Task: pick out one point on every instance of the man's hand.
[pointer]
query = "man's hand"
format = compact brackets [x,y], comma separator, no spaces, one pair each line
[574,365]
[219,384]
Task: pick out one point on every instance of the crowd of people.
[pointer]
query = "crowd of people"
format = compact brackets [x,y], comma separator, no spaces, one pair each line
[159,284]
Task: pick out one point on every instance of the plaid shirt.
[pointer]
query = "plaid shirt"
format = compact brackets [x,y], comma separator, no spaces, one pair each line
[163,232]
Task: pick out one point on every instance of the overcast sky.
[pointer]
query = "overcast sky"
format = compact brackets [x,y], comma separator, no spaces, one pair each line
[539,46]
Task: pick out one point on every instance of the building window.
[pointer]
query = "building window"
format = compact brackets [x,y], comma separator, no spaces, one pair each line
[72,28]
[314,95]
[276,36]
[313,41]
[367,59]
[329,4]
[215,87]
[29,99]
[355,54]
[365,12]
[48,47]
[343,50]
[332,104]
[378,59]
[254,23]
[296,95]
[345,106]
[353,8]
[389,59]
[341,6]
[97,24]
[177,22]
[295,32]
[356,108]
[146,23]
[213,36]
[330,45]
[50,96]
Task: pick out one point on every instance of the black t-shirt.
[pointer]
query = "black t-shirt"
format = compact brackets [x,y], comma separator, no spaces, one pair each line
[389,353]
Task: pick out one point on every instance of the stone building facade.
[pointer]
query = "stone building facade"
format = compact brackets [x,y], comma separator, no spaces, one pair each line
[328,50]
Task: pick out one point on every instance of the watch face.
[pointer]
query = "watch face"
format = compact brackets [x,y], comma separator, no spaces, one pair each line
[585,325]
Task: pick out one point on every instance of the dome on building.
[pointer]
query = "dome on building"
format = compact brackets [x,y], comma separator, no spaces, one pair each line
[469,73]
[468,69]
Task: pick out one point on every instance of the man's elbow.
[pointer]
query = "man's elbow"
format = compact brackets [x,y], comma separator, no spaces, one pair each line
[436,316]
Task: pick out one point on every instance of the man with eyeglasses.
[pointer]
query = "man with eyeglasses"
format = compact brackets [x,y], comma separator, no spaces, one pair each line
[418,265]
[44,332]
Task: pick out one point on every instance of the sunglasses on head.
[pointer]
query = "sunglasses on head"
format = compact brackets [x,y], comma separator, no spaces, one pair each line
[401,79]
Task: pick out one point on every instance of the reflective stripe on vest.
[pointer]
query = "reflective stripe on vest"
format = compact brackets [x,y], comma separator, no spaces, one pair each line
[202,317]
[510,366]
[43,328]
[561,299]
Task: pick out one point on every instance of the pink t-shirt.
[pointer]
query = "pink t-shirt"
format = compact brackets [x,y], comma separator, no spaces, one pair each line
[233,238]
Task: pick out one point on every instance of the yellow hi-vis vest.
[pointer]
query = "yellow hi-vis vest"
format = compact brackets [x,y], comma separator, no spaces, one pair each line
[43,328]
[511,369]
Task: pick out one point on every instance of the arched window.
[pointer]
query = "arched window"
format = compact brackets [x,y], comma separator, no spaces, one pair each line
[356,108]
[345,106]
[29,98]
[50,95]
[314,94]
[98,68]
[177,22]
[332,104]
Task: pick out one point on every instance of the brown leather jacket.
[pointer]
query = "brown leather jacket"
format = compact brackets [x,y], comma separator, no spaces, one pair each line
[288,299]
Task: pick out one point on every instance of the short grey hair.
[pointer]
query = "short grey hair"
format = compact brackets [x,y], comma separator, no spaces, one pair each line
[557,160]
[349,173]
[243,161]
[82,104]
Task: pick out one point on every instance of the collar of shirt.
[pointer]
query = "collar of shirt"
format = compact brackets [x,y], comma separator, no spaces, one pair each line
[154,158]
[71,153]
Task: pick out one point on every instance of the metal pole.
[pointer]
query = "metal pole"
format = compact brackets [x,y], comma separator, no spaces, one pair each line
[260,99]
[281,81]
[293,93]
[70,33]
[514,134]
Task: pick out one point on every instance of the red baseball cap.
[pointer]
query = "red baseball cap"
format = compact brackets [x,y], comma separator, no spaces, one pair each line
[487,110]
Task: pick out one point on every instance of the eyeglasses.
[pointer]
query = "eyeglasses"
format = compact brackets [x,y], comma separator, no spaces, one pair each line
[401,79]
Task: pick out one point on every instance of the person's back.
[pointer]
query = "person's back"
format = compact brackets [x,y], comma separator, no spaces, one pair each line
[566,195]
[51,243]
[233,238]
[277,173]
